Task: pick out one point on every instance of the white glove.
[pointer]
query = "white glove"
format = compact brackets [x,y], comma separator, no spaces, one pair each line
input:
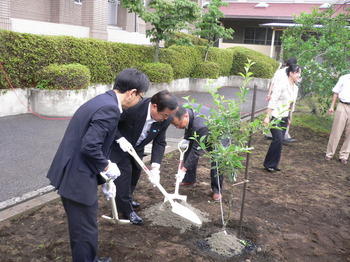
[109,190]
[155,176]
[113,171]
[184,143]
[124,144]
[180,175]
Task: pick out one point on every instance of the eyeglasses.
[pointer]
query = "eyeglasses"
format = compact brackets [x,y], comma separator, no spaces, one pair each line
[141,97]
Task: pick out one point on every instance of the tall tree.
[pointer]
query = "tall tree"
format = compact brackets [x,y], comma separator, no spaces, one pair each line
[209,26]
[321,44]
[165,16]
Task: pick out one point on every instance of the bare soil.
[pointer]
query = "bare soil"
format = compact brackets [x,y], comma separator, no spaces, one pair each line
[299,214]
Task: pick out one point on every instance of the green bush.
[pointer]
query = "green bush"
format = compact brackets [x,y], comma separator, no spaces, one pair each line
[71,76]
[264,66]
[23,55]
[184,39]
[206,70]
[181,58]
[158,72]
[223,57]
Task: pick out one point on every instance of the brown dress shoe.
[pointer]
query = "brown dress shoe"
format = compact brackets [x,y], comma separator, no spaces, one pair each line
[186,184]
[216,197]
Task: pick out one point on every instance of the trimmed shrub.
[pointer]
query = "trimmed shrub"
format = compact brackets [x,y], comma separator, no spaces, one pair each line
[184,39]
[264,66]
[71,76]
[181,58]
[206,70]
[223,57]
[158,72]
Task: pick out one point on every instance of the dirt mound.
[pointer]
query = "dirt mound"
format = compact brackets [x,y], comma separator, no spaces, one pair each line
[299,214]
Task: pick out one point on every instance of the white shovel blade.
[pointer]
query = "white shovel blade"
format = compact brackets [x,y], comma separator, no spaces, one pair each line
[185,212]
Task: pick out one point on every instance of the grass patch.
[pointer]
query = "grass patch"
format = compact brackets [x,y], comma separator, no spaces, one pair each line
[305,115]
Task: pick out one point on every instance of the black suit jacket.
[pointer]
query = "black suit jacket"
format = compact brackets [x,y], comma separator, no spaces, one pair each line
[131,125]
[85,148]
[196,124]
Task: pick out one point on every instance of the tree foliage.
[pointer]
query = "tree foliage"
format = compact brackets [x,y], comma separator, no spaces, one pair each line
[209,26]
[225,122]
[165,16]
[321,44]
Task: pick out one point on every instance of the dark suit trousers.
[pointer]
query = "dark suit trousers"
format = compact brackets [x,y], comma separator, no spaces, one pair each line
[83,231]
[126,183]
[191,173]
[273,155]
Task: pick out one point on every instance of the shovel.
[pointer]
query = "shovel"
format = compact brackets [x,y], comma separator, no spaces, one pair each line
[177,183]
[177,208]
[115,219]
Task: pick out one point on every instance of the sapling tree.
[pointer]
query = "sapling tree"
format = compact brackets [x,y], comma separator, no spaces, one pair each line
[209,26]
[165,17]
[225,122]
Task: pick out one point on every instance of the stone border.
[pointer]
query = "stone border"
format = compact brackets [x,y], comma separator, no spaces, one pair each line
[63,103]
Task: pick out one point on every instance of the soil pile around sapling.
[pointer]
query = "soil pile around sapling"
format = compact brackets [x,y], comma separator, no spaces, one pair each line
[299,214]
[225,244]
[161,215]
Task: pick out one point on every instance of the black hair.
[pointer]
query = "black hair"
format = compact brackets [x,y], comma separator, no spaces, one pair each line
[131,78]
[291,61]
[293,69]
[164,99]
[180,112]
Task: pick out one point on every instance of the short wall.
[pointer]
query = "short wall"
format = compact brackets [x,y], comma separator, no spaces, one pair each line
[13,102]
[63,103]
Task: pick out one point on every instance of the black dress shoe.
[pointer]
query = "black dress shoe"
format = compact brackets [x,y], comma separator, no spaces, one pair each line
[270,169]
[134,218]
[277,169]
[104,259]
[135,204]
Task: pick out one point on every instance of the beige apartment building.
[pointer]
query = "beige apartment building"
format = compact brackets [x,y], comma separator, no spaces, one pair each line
[257,24]
[102,19]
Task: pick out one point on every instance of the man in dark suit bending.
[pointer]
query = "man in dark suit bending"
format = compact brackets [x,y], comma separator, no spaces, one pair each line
[139,125]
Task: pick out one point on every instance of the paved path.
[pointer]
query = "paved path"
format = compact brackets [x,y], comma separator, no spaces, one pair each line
[28,144]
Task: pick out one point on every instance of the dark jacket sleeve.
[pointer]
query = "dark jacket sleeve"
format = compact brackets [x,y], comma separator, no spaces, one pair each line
[194,150]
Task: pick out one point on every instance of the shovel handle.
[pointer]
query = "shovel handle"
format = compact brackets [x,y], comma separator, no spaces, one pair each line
[113,204]
[133,153]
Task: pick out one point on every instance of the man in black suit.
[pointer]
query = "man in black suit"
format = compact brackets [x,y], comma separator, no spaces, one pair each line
[192,122]
[140,125]
[83,154]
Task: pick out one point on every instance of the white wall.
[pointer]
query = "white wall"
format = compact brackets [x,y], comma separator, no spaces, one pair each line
[45,28]
[63,103]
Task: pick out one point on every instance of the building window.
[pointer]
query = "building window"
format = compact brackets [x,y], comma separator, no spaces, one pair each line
[261,36]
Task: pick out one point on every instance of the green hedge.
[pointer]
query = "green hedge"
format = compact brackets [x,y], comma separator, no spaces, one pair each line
[71,76]
[264,66]
[158,72]
[24,55]
[183,59]
[206,70]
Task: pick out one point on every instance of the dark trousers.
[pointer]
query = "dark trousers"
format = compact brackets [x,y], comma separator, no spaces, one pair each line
[273,155]
[126,183]
[191,174]
[83,231]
